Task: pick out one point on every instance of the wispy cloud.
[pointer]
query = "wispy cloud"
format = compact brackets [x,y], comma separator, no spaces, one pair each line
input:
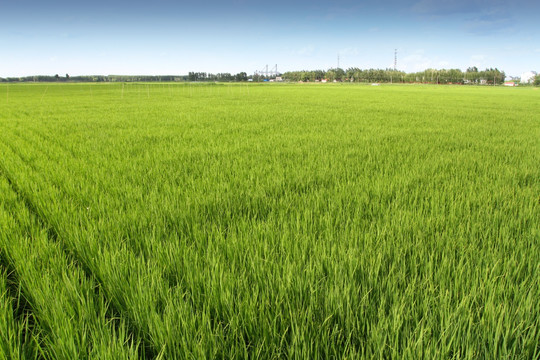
[340,12]
[452,7]
[419,61]
[449,7]
[488,24]
[415,62]
[478,17]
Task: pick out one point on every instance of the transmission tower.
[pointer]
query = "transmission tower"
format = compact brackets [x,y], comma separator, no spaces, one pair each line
[267,73]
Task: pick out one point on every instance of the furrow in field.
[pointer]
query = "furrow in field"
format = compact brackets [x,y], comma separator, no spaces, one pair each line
[19,338]
[159,302]
[86,183]
[134,286]
[75,318]
[50,231]
[193,283]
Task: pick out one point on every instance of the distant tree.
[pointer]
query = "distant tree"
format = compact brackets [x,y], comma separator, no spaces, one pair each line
[241,76]
[340,74]
[224,77]
[320,74]
[56,77]
[537,80]
[331,74]
[67,76]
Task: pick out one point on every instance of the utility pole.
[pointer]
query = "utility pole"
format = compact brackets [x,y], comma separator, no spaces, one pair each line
[338,60]
[395,59]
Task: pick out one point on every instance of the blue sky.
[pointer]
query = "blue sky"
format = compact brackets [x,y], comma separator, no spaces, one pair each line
[175,37]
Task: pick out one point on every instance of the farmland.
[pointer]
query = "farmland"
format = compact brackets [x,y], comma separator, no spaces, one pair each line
[269,221]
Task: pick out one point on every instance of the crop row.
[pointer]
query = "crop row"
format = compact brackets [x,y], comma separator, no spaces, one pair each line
[345,222]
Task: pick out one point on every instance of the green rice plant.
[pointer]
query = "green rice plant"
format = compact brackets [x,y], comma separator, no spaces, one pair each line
[296,221]
[17,339]
[73,318]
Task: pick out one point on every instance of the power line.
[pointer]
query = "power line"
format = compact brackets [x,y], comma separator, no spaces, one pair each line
[266,72]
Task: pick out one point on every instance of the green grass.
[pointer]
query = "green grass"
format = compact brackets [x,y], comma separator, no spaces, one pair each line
[273,221]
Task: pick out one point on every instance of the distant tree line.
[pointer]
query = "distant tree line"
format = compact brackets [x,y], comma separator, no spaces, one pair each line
[222,77]
[431,76]
[192,76]
[95,78]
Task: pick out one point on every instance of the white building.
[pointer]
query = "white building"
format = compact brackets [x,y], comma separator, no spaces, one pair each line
[528,77]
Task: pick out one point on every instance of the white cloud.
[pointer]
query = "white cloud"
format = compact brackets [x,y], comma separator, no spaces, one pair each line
[415,62]
[420,61]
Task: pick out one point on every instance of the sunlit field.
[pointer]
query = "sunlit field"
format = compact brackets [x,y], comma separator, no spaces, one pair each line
[299,221]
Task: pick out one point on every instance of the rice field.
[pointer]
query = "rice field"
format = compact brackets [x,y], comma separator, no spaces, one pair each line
[295,221]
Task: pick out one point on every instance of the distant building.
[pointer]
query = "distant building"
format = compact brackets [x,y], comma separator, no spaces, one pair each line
[528,77]
[510,83]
